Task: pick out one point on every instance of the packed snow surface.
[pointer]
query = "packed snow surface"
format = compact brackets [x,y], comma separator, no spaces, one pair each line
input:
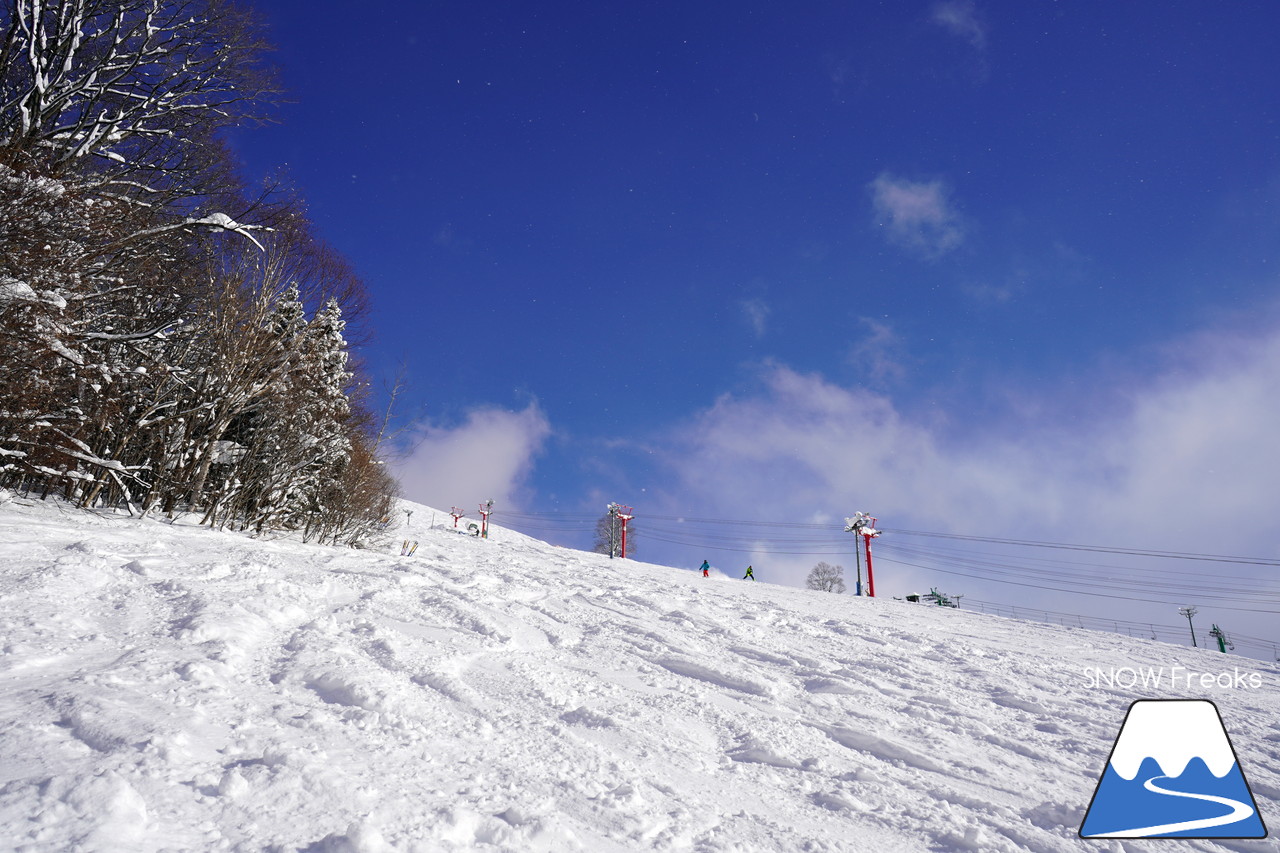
[168,687]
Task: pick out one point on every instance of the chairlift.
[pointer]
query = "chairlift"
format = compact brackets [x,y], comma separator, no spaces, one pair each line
[940,598]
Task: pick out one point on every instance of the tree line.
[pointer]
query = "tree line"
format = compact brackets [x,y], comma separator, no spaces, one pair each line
[171,340]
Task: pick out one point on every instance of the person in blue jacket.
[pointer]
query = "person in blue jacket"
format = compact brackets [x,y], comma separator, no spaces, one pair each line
[706,569]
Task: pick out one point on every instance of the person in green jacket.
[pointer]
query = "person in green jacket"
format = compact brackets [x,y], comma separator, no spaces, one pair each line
[749,574]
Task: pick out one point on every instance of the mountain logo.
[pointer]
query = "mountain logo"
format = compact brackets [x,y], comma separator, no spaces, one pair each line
[1173,774]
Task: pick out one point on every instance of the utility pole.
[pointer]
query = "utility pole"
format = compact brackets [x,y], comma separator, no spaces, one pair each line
[1189,612]
[861,524]
[857,558]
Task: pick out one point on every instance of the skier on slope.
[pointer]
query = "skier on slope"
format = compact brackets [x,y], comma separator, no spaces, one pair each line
[749,574]
[706,569]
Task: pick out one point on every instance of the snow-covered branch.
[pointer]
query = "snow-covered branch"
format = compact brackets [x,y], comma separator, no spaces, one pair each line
[214,221]
[95,77]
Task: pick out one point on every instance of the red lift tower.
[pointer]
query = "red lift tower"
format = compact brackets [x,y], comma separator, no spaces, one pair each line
[624,515]
[861,524]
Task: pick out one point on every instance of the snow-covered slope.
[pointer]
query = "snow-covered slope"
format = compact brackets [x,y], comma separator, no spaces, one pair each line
[167,687]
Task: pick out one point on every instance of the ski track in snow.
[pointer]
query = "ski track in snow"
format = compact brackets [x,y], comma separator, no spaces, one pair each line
[168,687]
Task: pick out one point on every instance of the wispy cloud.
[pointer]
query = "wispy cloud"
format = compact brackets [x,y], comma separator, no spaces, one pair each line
[489,455]
[960,18]
[992,294]
[917,214]
[756,312]
[845,79]
[877,353]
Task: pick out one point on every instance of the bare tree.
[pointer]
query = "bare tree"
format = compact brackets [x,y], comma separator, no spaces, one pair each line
[826,577]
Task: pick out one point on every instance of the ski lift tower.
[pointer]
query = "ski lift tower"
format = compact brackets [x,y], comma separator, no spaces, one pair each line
[619,515]
[861,524]
[1224,642]
[624,515]
[485,509]
[457,514]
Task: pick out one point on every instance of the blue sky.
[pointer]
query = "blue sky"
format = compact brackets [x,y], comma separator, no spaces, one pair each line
[988,267]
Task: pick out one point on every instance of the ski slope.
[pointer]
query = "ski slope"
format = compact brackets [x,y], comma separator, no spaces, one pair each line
[168,687]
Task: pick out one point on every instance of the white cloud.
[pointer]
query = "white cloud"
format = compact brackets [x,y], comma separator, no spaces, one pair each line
[960,18]
[1190,463]
[917,215]
[1197,453]
[489,455]
[756,312]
